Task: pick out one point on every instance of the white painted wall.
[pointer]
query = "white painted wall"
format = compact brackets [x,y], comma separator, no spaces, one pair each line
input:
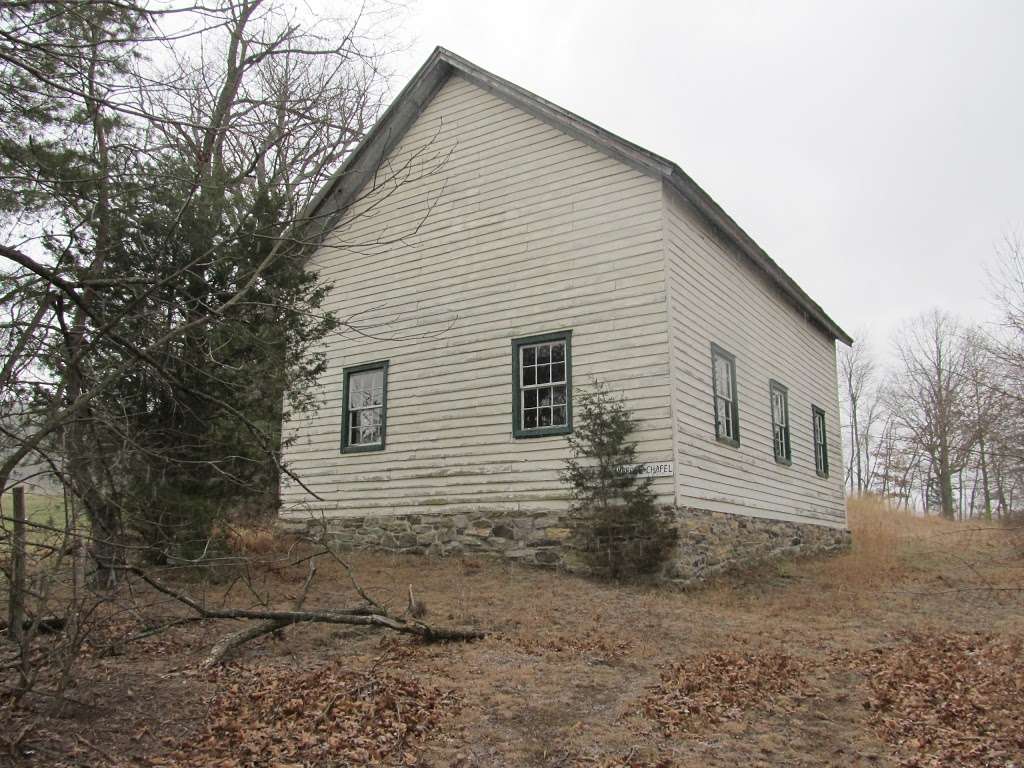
[716,295]
[502,227]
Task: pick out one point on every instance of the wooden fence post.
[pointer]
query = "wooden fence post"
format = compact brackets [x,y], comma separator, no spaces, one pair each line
[16,607]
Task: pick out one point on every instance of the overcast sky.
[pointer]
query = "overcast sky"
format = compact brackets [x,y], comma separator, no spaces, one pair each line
[873,149]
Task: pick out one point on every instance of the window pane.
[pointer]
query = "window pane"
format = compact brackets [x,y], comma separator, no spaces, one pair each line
[365,426]
[781,443]
[723,412]
[543,375]
[723,378]
[366,388]
[355,392]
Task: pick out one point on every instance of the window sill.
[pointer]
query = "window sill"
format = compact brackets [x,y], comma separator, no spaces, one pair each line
[362,448]
[520,434]
[783,462]
[732,443]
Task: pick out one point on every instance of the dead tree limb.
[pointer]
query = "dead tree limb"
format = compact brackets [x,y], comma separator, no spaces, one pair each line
[276,619]
[223,646]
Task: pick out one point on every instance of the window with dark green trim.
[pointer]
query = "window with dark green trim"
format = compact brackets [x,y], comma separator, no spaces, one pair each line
[723,385]
[780,421]
[365,407]
[820,441]
[542,385]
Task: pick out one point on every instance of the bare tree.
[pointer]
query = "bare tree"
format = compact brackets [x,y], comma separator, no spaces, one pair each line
[930,399]
[159,312]
[1005,349]
[154,255]
[858,377]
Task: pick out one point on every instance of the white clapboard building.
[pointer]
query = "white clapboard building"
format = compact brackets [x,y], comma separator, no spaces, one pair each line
[490,254]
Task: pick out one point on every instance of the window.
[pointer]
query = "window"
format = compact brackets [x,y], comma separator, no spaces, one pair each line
[365,408]
[542,385]
[723,383]
[780,421]
[820,441]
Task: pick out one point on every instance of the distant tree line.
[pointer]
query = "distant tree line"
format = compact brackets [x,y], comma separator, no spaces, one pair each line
[938,426]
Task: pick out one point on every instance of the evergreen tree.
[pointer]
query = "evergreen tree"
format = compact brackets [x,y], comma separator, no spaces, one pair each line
[621,530]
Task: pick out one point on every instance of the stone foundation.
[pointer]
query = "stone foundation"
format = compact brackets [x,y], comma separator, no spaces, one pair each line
[715,542]
[709,542]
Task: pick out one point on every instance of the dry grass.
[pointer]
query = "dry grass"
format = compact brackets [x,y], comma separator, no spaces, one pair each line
[891,544]
[252,539]
[900,652]
[885,538]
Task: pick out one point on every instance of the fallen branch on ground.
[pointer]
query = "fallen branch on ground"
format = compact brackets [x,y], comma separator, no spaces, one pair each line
[43,625]
[373,615]
[223,646]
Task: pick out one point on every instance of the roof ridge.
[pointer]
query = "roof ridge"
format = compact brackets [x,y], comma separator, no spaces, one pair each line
[407,105]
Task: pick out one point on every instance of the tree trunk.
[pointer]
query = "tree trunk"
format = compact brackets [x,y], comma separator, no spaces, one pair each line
[945,481]
[986,493]
[16,597]
[105,519]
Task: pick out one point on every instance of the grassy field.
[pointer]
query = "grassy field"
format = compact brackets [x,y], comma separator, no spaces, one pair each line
[905,651]
[39,508]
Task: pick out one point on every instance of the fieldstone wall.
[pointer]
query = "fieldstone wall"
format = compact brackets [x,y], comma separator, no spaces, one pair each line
[709,542]
[715,542]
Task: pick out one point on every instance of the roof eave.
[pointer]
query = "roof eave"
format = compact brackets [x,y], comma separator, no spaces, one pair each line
[711,210]
[365,160]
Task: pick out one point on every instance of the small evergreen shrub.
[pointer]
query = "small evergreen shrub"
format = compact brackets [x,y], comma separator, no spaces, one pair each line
[620,531]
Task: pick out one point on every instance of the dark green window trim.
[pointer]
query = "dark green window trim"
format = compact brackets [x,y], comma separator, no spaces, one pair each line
[820,438]
[785,455]
[346,447]
[732,405]
[518,430]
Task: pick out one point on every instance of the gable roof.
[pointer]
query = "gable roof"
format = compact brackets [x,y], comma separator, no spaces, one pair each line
[360,166]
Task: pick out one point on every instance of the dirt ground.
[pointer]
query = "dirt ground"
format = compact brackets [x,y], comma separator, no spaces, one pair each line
[906,651]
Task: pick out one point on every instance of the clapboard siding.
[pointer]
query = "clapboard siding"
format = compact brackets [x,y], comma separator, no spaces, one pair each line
[716,295]
[498,226]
